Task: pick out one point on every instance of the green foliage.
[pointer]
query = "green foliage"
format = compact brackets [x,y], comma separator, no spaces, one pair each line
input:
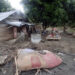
[47,11]
[50,12]
[4,6]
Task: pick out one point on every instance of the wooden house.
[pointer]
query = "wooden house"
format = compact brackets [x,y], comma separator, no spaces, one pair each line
[6,32]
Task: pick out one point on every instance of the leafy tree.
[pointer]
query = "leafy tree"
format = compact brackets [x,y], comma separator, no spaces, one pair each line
[47,11]
[50,12]
[4,6]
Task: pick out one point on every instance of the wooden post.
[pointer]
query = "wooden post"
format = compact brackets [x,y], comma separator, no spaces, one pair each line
[15,32]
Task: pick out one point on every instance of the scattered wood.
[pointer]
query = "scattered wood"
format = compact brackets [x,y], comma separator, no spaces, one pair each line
[52,38]
[20,38]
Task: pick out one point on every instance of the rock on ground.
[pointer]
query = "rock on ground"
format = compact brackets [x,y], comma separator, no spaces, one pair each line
[2,59]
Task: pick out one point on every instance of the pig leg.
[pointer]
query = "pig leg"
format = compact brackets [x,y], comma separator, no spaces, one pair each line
[47,71]
[17,71]
[38,70]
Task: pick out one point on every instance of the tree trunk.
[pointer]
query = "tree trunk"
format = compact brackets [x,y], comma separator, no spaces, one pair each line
[64,28]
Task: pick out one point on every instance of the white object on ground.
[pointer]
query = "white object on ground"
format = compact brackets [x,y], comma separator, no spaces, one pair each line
[35,38]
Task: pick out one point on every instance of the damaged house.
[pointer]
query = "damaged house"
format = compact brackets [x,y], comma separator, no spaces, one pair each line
[8,20]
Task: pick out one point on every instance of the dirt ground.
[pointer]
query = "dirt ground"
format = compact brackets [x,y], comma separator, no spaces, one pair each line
[65,48]
[66,44]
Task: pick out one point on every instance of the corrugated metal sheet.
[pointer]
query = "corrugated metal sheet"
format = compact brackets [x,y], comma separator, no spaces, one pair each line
[18,23]
[4,15]
[15,23]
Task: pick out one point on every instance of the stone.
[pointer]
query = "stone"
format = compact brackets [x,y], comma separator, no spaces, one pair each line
[61,54]
[2,59]
[74,59]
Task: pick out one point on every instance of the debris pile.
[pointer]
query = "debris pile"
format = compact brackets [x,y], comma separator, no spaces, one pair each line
[54,35]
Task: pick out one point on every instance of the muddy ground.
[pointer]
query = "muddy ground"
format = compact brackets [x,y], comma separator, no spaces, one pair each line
[65,48]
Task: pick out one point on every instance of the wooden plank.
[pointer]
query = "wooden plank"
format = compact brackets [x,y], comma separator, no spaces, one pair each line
[5,33]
